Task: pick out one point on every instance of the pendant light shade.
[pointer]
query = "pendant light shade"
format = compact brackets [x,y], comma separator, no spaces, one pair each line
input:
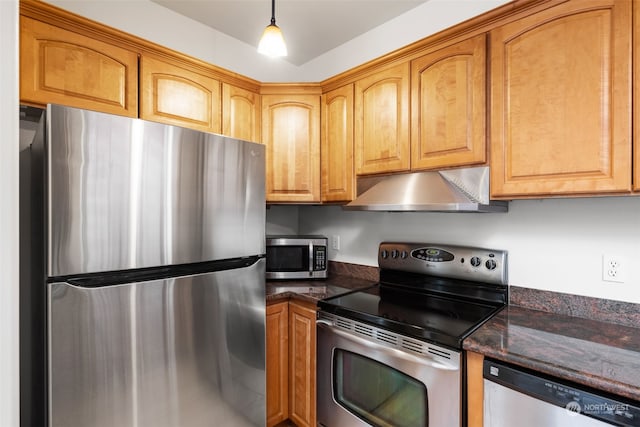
[272,41]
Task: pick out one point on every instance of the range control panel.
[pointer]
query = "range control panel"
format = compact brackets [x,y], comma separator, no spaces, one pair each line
[460,262]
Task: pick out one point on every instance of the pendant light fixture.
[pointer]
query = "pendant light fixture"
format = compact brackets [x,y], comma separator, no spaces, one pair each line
[272,42]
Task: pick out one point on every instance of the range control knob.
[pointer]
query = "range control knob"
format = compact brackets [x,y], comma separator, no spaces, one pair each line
[475,261]
[384,254]
[394,253]
[490,264]
[404,254]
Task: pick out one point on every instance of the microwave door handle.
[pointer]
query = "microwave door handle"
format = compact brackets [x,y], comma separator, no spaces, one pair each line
[310,259]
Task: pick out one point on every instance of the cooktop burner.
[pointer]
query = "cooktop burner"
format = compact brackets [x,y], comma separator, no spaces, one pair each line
[435,293]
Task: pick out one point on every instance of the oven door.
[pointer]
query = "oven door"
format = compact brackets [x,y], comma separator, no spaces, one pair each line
[368,376]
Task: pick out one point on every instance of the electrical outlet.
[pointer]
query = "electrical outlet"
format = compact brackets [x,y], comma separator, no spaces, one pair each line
[335,243]
[614,268]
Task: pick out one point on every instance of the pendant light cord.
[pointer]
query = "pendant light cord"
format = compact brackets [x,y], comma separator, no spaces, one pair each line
[273,12]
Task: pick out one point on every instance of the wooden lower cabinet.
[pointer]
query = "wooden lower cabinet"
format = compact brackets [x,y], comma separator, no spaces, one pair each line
[475,389]
[291,363]
[302,363]
[277,326]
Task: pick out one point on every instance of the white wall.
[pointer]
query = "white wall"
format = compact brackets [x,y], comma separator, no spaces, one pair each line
[553,244]
[282,220]
[156,23]
[9,362]
[418,23]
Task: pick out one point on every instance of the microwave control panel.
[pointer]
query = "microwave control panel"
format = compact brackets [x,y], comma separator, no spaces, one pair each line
[320,258]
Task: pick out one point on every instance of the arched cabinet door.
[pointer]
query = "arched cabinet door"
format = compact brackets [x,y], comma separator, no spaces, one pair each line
[382,121]
[172,94]
[62,67]
[561,101]
[336,150]
[291,133]
[241,113]
[448,111]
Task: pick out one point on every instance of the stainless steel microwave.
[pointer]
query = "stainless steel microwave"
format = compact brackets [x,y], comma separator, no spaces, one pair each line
[296,257]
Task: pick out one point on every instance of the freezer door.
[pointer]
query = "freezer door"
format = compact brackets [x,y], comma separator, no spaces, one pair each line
[186,351]
[126,193]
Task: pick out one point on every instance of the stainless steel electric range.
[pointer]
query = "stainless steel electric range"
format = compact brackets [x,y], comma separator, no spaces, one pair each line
[391,355]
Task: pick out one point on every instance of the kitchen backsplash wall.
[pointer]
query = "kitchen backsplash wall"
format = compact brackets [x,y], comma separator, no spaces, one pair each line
[282,220]
[554,244]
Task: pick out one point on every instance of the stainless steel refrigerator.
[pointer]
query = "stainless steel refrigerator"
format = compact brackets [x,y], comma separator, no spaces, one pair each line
[142,281]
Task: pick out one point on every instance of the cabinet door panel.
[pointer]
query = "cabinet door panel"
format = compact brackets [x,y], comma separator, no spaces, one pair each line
[174,95]
[240,113]
[448,106]
[302,364]
[292,136]
[61,67]
[636,96]
[382,121]
[277,327]
[337,145]
[561,101]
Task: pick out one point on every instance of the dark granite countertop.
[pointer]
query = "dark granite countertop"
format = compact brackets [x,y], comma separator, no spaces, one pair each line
[605,356]
[314,290]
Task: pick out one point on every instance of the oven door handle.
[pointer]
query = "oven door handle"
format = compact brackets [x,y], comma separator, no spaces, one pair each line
[426,359]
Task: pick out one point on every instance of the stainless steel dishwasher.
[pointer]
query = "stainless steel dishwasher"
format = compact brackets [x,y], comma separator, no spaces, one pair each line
[515,397]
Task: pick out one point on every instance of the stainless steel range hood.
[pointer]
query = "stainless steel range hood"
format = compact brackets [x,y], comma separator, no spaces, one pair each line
[452,190]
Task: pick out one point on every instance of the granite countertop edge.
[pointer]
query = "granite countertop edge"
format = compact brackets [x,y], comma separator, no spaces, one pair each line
[314,290]
[583,351]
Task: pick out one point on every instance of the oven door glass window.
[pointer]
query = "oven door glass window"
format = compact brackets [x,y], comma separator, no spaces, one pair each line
[377,393]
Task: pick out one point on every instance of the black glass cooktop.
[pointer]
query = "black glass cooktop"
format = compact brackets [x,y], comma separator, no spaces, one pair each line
[430,317]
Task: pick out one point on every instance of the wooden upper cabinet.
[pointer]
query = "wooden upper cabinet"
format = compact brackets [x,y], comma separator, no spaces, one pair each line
[241,113]
[302,364]
[291,133]
[561,101]
[448,98]
[178,96]
[277,369]
[636,96]
[382,121]
[336,150]
[61,67]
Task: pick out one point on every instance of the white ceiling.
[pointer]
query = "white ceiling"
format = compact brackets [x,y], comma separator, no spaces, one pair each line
[310,27]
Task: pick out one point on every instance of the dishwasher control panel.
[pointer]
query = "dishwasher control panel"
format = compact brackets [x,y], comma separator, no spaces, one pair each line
[579,401]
